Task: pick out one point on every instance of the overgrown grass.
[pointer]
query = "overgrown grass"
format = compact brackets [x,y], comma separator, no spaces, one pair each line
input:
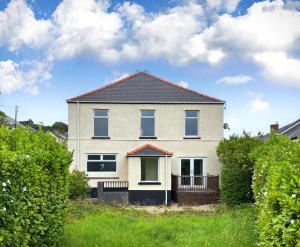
[92,225]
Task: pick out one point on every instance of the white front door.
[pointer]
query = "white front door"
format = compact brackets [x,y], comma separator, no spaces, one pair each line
[192,171]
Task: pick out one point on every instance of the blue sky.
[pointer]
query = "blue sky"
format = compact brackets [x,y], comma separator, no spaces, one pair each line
[244,52]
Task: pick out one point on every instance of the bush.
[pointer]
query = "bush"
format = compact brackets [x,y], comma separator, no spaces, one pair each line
[277,191]
[78,185]
[34,188]
[237,168]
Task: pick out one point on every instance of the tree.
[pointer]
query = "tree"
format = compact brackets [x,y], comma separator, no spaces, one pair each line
[60,127]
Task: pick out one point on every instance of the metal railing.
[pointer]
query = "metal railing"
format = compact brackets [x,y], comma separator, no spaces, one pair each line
[195,183]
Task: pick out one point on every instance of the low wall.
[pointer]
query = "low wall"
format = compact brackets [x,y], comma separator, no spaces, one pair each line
[114,196]
[196,198]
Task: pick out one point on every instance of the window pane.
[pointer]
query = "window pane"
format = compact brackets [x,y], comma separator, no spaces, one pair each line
[191,113]
[149,169]
[101,166]
[147,128]
[100,113]
[147,113]
[93,157]
[191,126]
[100,127]
[109,157]
[198,167]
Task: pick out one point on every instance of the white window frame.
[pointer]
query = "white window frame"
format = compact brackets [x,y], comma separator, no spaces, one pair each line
[101,160]
[107,117]
[158,171]
[185,117]
[154,117]
[192,165]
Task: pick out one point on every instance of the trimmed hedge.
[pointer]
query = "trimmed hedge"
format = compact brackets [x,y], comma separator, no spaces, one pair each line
[79,187]
[277,192]
[33,188]
[237,168]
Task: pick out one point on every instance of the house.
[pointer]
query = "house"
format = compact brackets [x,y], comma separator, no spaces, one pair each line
[292,130]
[150,137]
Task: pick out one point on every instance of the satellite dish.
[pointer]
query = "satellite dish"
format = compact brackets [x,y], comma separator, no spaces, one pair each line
[226,126]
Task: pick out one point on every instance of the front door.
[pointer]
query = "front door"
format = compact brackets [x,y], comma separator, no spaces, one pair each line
[192,171]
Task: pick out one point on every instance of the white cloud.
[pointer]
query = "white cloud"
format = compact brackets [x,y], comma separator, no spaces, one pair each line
[26,76]
[258,105]
[235,80]
[19,27]
[193,31]
[183,84]
[86,27]
[174,34]
[279,66]
[227,5]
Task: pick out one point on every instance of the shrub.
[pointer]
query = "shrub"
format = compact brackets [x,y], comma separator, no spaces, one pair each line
[33,188]
[277,191]
[237,168]
[78,185]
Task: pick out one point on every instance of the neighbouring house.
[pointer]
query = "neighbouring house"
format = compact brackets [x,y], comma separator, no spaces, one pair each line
[147,140]
[292,130]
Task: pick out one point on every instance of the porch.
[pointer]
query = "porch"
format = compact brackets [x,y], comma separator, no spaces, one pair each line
[195,190]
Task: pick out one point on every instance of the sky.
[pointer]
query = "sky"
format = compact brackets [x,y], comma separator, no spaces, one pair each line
[244,52]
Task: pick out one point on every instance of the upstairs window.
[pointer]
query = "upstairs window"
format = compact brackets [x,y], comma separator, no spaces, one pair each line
[101,123]
[191,123]
[101,162]
[147,123]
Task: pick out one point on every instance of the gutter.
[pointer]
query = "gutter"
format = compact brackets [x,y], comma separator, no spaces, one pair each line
[166,180]
[78,136]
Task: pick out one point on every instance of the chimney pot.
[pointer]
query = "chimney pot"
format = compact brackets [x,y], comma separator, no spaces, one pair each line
[274,127]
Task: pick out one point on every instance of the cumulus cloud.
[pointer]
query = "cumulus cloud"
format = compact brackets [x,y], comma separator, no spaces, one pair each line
[268,35]
[26,76]
[225,5]
[174,34]
[86,27]
[19,27]
[235,80]
[280,67]
[257,104]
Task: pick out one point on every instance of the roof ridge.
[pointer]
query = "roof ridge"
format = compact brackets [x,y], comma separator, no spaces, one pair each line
[186,89]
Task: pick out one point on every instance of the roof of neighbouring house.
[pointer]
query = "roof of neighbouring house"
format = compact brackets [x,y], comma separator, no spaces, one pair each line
[143,87]
[148,150]
[292,130]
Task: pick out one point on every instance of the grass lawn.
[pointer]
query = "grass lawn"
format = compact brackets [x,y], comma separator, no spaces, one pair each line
[102,225]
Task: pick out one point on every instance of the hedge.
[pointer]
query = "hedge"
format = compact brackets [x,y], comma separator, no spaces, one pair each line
[33,188]
[277,192]
[79,187]
[237,168]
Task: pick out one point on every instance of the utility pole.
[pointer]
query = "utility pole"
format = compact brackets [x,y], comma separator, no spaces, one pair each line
[16,115]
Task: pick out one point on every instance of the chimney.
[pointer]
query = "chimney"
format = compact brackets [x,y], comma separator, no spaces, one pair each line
[274,127]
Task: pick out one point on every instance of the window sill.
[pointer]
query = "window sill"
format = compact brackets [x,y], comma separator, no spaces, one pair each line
[101,137]
[191,137]
[147,137]
[149,183]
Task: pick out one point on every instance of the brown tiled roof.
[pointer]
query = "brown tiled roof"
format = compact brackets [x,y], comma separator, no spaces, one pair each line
[143,87]
[149,150]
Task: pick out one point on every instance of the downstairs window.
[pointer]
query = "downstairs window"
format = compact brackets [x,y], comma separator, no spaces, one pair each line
[149,169]
[101,163]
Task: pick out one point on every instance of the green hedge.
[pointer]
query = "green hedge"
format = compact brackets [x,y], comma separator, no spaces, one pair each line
[237,168]
[277,192]
[79,187]
[33,188]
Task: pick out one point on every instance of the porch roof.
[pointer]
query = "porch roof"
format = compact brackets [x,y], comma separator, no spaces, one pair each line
[148,150]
